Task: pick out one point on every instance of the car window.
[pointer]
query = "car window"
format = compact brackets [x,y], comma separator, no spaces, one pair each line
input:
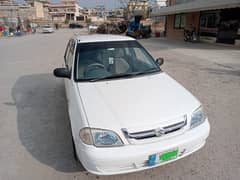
[69,54]
[96,60]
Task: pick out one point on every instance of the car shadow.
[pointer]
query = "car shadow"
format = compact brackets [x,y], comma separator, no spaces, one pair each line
[43,121]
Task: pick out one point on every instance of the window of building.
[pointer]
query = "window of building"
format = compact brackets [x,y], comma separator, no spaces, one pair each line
[179,21]
[209,20]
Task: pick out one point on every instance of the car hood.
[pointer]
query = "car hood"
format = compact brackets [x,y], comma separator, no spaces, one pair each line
[135,102]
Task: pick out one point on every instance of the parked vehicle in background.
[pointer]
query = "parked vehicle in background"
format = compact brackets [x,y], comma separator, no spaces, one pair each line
[47,29]
[92,28]
[136,29]
[112,27]
[126,114]
[75,25]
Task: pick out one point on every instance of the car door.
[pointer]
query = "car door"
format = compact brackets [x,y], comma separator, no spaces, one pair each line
[72,90]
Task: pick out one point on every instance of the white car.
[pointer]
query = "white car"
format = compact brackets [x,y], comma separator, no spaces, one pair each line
[47,29]
[127,114]
[92,28]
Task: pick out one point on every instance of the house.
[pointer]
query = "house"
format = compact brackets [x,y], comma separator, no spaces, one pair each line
[38,9]
[15,14]
[66,10]
[137,7]
[158,25]
[217,19]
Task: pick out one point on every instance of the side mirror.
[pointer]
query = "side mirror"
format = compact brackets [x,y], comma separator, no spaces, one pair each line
[62,73]
[160,61]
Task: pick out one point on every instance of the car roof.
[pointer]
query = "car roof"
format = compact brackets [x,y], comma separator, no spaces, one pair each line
[101,38]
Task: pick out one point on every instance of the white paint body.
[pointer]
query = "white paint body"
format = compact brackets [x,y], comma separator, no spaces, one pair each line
[47,29]
[138,104]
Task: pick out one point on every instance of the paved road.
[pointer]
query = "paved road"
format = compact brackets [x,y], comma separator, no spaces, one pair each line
[35,138]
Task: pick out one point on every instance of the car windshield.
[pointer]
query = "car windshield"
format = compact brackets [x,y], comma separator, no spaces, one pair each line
[47,26]
[109,60]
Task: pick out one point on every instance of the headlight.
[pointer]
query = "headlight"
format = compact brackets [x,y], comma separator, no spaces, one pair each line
[100,137]
[198,117]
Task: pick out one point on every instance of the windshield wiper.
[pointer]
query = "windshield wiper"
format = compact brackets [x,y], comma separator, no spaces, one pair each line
[113,77]
[152,70]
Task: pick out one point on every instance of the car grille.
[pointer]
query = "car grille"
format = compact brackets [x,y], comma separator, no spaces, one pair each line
[158,132]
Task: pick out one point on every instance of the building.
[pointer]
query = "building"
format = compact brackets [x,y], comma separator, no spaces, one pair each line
[218,19]
[14,15]
[158,25]
[159,3]
[9,15]
[40,9]
[65,11]
[137,7]
[6,2]
[100,14]
[119,12]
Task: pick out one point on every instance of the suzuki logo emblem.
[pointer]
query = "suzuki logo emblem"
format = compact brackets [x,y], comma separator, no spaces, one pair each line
[159,132]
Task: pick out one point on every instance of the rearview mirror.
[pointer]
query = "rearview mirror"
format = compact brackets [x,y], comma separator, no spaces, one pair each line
[62,73]
[160,61]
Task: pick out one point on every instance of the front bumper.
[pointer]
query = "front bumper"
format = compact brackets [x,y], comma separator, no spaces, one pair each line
[47,31]
[131,158]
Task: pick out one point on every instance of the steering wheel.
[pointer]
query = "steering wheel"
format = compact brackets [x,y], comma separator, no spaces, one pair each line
[93,66]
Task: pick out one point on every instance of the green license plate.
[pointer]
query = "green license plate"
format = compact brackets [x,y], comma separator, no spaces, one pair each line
[166,156]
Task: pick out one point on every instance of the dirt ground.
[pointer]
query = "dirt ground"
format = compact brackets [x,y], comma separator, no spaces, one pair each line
[35,137]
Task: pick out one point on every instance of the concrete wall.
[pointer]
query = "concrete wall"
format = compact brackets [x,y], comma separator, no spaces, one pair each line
[96,19]
[137,8]
[39,9]
[191,19]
